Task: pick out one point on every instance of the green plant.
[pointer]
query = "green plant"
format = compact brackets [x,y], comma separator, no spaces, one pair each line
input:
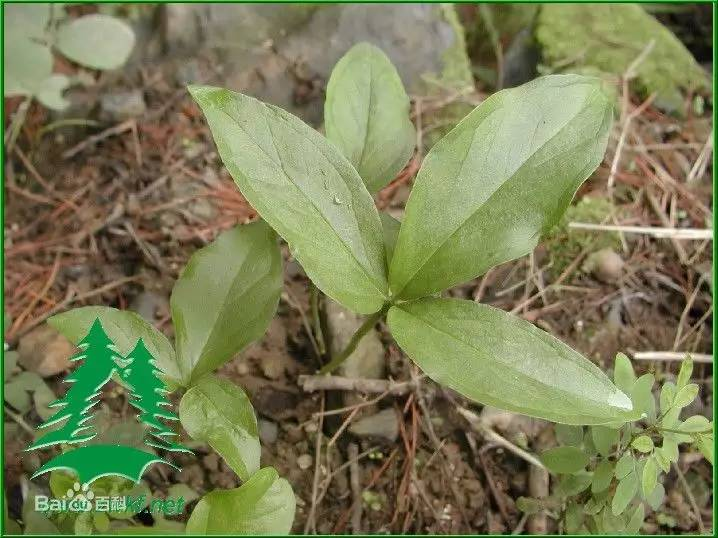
[33,30]
[609,474]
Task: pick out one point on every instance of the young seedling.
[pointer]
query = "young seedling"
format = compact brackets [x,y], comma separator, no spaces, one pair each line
[609,475]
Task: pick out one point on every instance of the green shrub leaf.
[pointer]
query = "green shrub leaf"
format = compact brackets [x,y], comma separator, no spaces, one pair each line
[602,476]
[668,394]
[264,504]
[390,227]
[626,464]
[643,443]
[636,521]
[306,190]
[623,374]
[500,179]
[696,423]
[642,396]
[497,359]
[650,476]
[706,446]
[565,460]
[366,115]
[569,435]
[219,413]
[96,41]
[686,395]
[684,374]
[655,499]
[625,492]
[573,484]
[225,298]
[124,329]
[604,439]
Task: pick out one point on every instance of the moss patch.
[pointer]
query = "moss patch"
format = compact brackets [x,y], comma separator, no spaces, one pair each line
[606,38]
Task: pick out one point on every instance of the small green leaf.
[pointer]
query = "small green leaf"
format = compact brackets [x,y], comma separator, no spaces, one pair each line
[573,484]
[306,190]
[643,443]
[670,449]
[219,413]
[602,476]
[497,359]
[625,465]
[225,298]
[573,518]
[668,393]
[569,435]
[96,41]
[27,65]
[625,492]
[684,374]
[564,460]
[604,439]
[636,521]
[366,115]
[623,374]
[650,476]
[529,505]
[655,499]
[390,228]
[264,504]
[124,329]
[706,446]
[696,423]
[642,396]
[661,459]
[50,92]
[686,395]
[490,188]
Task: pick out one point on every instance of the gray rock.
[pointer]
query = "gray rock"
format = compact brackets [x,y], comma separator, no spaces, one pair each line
[384,425]
[268,431]
[284,55]
[119,106]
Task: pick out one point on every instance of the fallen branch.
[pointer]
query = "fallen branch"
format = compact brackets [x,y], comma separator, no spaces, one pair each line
[672,356]
[313,383]
[653,231]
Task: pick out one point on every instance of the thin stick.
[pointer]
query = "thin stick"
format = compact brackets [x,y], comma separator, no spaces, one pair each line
[699,167]
[667,356]
[353,343]
[682,255]
[112,131]
[312,383]
[311,521]
[653,231]
[355,481]
[686,310]
[691,498]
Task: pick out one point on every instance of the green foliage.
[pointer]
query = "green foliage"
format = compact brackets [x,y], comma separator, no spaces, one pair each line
[366,115]
[607,38]
[219,412]
[240,272]
[33,30]
[623,463]
[263,505]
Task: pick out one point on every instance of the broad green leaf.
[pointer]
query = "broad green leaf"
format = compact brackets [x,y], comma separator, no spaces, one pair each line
[219,413]
[650,476]
[390,228]
[497,359]
[643,443]
[636,521]
[625,492]
[27,19]
[573,518]
[573,484]
[564,459]
[668,393]
[500,179]
[642,396]
[602,476]
[569,435]
[670,449]
[124,328]
[706,446]
[655,499]
[623,374]
[685,395]
[225,298]
[96,41]
[684,374]
[50,92]
[306,190]
[625,465]
[366,115]
[26,65]
[696,423]
[604,439]
[264,504]
[663,462]
[17,390]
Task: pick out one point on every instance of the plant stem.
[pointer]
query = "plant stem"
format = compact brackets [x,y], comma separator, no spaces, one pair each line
[318,333]
[354,342]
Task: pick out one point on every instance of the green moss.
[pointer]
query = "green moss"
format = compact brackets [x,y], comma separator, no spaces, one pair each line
[564,245]
[607,38]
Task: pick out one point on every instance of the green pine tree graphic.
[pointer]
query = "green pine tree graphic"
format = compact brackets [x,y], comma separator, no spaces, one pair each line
[149,396]
[73,419]
[98,356]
